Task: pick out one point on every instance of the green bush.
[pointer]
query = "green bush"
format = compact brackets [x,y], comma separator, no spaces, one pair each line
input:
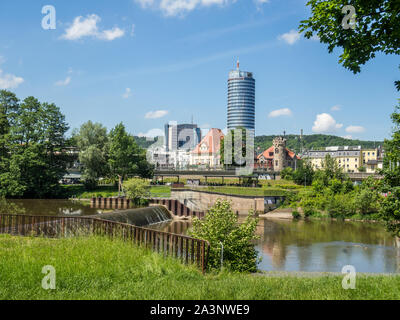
[367,201]
[136,189]
[287,173]
[296,215]
[220,225]
[341,206]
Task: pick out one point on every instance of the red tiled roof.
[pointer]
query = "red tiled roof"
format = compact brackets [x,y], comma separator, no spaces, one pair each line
[266,153]
[212,140]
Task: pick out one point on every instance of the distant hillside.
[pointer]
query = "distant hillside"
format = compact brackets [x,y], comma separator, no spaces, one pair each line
[315,141]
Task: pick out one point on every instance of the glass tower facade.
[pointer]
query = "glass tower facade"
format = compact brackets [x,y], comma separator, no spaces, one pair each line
[241,99]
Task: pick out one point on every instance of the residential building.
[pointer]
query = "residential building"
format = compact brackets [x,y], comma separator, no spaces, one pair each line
[207,152]
[277,157]
[241,99]
[350,159]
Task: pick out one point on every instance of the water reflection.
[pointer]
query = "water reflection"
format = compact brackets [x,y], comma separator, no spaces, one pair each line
[324,246]
[56,207]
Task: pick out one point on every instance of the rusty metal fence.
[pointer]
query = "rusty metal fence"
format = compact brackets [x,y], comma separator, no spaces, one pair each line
[185,248]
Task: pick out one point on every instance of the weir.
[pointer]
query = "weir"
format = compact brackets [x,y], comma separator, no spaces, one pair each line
[138,217]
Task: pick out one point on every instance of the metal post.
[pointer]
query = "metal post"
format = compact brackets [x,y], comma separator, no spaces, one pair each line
[222,255]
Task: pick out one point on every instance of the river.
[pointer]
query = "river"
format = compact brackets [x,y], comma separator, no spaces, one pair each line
[284,245]
[319,245]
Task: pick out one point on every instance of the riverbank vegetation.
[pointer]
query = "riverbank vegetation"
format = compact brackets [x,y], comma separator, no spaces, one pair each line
[333,195]
[231,243]
[100,268]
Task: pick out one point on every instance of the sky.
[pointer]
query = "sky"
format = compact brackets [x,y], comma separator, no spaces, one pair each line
[148,62]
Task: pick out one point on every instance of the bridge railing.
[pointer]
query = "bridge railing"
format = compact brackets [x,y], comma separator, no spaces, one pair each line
[184,248]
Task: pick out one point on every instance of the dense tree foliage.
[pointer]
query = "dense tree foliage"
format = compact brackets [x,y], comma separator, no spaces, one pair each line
[125,157]
[390,209]
[376,29]
[114,155]
[32,147]
[92,139]
[310,142]
[221,228]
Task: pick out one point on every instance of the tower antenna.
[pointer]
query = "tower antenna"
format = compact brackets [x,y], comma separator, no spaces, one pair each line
[237,64]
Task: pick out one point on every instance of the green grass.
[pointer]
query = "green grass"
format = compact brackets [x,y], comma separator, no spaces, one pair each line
[98,268]
[247,191]
[79,191]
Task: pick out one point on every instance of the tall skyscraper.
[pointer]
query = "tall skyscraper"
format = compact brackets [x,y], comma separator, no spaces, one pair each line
[241,99]
[181,136]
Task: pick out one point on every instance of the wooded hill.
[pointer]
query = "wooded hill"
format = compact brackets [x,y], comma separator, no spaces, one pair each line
[314,141]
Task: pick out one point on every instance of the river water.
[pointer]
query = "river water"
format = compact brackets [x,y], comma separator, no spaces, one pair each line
[319,245]
[284,245]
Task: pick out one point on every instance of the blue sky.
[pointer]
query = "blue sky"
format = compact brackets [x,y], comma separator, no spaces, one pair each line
[148,62]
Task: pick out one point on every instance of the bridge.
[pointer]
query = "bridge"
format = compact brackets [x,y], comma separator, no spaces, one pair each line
[257,173]
[213,174]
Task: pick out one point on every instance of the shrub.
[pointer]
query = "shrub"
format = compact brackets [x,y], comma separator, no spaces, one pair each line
[220,225]
[367,201]
[308,206]
[341,206]
[296,215]
[287,173]
[335,186]
[136,189]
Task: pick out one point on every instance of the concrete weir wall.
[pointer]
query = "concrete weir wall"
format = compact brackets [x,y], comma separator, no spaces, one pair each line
[203,200]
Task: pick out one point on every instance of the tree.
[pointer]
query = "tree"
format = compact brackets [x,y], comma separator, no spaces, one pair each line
[390,207]
[125,157]
[221,228]
[92,139]
[304,174]
[35,160]
[287,173]
[376,29]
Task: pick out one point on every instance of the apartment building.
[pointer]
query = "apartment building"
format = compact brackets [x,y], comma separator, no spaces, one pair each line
[350,159]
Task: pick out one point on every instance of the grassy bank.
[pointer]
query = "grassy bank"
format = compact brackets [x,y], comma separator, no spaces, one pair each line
[98,268]
[79,191]
[261,192]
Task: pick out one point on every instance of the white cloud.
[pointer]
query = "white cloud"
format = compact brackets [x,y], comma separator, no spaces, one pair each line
[87,27]
[280,112]
[153,133]
[63,83]
[336,108]
[9,81]
[112,34]
[145,3]
[180,7]
[324,123]
[290,37]
[350,137]
[156,114]
[355,129]
[127,94]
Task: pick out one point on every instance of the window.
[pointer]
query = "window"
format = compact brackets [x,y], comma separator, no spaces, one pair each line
[276,162]
[276,150]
